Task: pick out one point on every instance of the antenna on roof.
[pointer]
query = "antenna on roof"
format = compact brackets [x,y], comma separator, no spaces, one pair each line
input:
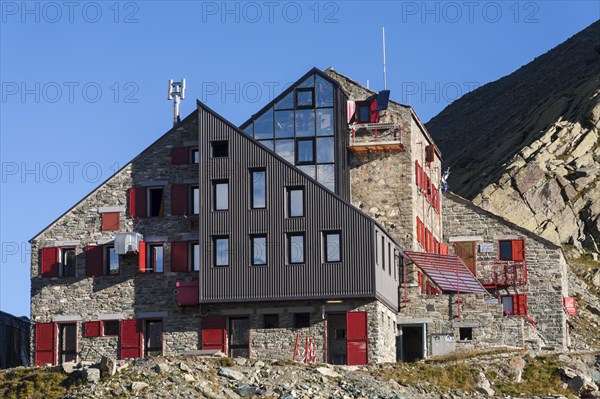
[177,94]
[384,72]
[368,84]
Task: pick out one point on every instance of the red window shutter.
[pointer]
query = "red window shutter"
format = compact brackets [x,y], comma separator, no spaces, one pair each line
[518,250]
[142,257]
[420,280]
[444,249]
[356,338]
[137,202]
[110,221]
[179,256]
[180,155]
[50,262]
[45,344]
[179,199]
[92,328]
[131,339]
[423,179]
[520,304]
[93,260]
[429,153]
[214,333]
[374,113]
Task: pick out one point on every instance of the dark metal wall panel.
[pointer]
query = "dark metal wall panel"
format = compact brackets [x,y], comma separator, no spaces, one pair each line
[353,277]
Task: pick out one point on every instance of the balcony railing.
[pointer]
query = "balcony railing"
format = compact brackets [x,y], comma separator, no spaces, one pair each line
[373,136]
[502,273]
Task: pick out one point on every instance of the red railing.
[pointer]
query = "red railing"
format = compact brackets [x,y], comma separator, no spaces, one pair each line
[503,273]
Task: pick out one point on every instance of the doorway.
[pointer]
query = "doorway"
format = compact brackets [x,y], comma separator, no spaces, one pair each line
[153,345]
[411,343]
[67,338]
[336,338]
[239,337]
[466,251]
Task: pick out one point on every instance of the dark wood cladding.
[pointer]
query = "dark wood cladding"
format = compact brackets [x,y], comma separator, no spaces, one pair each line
[353,277]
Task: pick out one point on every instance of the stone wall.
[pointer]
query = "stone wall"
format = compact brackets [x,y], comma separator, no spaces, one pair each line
[278,343]
[129,294]
[546,265]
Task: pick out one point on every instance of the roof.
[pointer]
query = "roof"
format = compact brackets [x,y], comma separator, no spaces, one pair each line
[447,271]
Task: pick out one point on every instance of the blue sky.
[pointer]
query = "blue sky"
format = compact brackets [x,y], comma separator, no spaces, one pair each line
[83,84]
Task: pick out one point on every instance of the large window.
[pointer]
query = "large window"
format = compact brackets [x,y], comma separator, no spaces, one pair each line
[300,128]
[259,188]
[295,248]
[259,250]
[295,202]
[332,249]
[221,251]
[220,195]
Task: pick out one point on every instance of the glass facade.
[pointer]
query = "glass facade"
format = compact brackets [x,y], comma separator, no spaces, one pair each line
[300,128]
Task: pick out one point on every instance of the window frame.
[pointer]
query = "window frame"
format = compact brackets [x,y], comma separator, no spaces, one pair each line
[327,233]
[102,326]
[192,204]
[509,249]
[151,259]
[193,152]
[252,249]
[310,90]
[161,210]
[289,191]
[219,149]
[106,261]
[215,240]
[289,248]
[61,265]
[215,183]
[192,257]
[297,142]
[252,185]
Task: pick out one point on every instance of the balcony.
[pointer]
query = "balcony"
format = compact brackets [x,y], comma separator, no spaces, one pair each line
[502,273]
[375,137]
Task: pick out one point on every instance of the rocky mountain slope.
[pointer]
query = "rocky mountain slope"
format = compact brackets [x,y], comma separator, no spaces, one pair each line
[529,143]
[499,373]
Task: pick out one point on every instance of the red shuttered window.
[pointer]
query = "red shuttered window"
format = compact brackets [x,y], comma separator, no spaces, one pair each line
[180,155]
[518,250]
[45,344]
[142,257]
[110,221]
[92,329]
[93,260]
[50,265]
[131,339]
[179,256]
[138,202]
[179,199]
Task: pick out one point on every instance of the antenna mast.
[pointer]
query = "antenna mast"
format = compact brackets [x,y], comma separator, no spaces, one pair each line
[384,72]
[177,94]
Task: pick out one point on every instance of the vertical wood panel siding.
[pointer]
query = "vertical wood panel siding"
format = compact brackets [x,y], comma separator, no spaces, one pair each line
[354,276]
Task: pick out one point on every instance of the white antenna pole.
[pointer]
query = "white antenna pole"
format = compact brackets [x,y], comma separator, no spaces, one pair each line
[384,73]
[176,93]
[368,84]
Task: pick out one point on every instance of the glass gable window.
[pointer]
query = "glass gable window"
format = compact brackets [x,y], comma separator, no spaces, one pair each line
[306,111]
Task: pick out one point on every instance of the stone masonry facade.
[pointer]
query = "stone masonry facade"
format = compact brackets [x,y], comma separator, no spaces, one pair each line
[546,266]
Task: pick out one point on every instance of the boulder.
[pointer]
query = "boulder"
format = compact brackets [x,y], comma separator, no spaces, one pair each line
[138,386]
[91,374]
[327,372]
[108,366]
[484,386]
[162,368]
[231,374]
[68,367]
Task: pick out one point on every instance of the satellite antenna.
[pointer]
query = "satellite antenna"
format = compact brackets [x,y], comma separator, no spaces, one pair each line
[177,94]
[384,73]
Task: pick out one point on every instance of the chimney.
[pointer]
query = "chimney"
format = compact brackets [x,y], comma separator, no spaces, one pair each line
[485,203]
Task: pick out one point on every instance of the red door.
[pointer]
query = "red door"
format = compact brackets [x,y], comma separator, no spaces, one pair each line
[356,338]
[45,344]
[214,333]
[131,339]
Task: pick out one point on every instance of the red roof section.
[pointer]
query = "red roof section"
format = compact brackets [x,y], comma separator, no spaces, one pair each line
[448,272]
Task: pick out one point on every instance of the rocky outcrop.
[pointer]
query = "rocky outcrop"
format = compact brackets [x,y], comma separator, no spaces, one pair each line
[528,144]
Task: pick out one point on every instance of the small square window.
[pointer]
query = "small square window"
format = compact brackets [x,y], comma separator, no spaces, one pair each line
[110,221]
[466,333]
[271,321]
[110,328]
[220,149]
[305,97]
[221,251]
[301,320]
